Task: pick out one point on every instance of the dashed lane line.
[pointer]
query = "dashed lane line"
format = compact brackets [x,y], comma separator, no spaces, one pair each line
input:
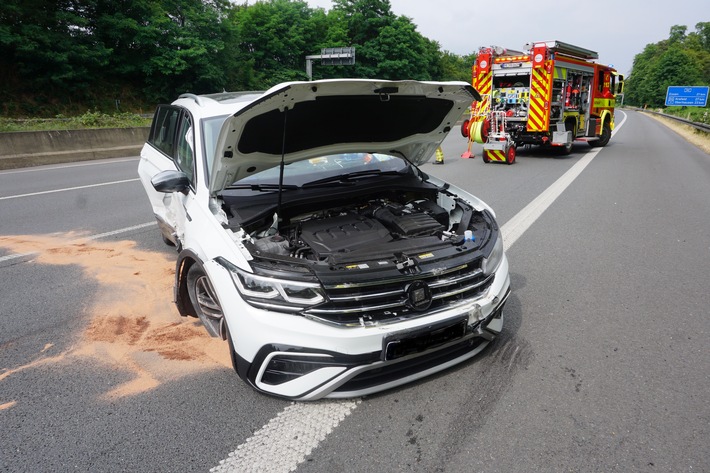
[295,432]
[101,184]
[516,226]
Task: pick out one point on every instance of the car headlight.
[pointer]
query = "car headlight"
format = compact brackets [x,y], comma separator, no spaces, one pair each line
[491,263]
[276,293]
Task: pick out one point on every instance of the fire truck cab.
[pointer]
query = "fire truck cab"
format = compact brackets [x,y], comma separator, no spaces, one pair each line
[551,95]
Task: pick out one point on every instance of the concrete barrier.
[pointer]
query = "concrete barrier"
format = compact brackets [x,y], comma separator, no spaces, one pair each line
[35,148]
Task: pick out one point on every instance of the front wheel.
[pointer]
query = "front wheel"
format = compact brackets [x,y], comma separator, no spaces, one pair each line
[204,300]
[603,138]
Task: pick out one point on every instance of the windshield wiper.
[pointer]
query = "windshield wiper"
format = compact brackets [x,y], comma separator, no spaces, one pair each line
[261,187]
[349,178]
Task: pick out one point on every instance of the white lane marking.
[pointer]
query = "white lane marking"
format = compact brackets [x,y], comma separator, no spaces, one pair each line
[90,237]
[98,236]
[283,443]
[516,226]
[69,189]
[288,438]
[72,165]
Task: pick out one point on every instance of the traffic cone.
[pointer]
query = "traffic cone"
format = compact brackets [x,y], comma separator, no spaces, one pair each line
[439,156]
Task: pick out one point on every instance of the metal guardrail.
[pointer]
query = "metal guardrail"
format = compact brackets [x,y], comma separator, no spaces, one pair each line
[696,125]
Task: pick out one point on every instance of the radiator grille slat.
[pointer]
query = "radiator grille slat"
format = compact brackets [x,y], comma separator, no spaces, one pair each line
[387,300]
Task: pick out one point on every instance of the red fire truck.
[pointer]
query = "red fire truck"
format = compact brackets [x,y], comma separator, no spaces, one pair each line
[551,95]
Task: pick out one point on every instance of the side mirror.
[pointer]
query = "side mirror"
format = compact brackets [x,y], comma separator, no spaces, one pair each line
[171,181]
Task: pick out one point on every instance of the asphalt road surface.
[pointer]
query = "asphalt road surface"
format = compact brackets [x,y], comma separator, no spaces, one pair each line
[604,363]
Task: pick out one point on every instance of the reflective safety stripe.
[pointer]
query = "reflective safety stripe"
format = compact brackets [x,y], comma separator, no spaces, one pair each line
[495,154]
[604,103]
[483,83]
[540,92]
[561,73]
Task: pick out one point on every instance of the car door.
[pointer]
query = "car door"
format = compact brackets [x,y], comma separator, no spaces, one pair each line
[170,147]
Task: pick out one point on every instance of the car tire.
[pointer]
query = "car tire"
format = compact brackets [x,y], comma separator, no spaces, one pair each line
[204,300]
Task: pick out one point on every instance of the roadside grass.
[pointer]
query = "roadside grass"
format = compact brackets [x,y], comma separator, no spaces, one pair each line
[694,114]
[699,138]
[87,120]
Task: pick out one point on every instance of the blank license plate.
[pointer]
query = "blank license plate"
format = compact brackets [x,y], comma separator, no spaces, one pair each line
[402,344]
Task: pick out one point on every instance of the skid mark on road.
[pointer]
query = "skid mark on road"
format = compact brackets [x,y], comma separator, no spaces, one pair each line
[133,325]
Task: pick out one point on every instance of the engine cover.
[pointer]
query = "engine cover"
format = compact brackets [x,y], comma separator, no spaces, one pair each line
[342,234]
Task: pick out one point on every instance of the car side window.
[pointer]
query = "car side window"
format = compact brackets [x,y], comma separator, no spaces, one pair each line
[162,133]
[185,156]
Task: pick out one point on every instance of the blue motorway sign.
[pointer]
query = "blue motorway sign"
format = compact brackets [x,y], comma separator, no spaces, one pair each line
[696,96]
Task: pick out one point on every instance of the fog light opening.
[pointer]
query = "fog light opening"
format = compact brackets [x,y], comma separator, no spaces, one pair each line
[284,368]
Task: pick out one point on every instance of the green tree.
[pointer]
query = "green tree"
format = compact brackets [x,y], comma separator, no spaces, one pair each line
[682,59]
[677,34]
[272,39]
[58,54]
[364,18]
[387,46]
[47,49]
[703,32]
[455,67]
[185,44]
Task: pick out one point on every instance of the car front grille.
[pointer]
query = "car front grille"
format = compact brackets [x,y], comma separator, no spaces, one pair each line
[387,300]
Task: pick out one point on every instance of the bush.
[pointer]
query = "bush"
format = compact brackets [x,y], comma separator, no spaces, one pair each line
[694,114]
[87,120]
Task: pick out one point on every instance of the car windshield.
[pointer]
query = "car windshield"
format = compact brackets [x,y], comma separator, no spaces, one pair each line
[326,170]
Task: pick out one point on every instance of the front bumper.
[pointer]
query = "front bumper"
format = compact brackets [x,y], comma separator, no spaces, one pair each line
[296,358]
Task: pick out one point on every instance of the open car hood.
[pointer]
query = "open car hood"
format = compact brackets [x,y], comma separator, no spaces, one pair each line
[301,120]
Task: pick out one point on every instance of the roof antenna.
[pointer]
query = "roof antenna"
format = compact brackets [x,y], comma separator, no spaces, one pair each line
[281,170]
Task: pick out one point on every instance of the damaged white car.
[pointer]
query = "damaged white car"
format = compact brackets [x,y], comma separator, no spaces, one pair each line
[309,239]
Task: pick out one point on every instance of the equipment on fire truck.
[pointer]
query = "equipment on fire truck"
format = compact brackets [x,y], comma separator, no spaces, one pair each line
[551,95]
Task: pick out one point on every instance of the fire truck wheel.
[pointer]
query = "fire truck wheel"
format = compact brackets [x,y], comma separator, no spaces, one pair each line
[485,157]
[510,154]
[603,138]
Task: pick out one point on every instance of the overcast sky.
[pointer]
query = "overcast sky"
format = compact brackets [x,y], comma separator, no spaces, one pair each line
[616,29]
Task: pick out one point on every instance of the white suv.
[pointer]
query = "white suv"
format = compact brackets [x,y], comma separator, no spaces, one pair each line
[309,239]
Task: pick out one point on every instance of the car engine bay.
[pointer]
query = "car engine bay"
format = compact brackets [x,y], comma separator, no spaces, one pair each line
[384,225]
